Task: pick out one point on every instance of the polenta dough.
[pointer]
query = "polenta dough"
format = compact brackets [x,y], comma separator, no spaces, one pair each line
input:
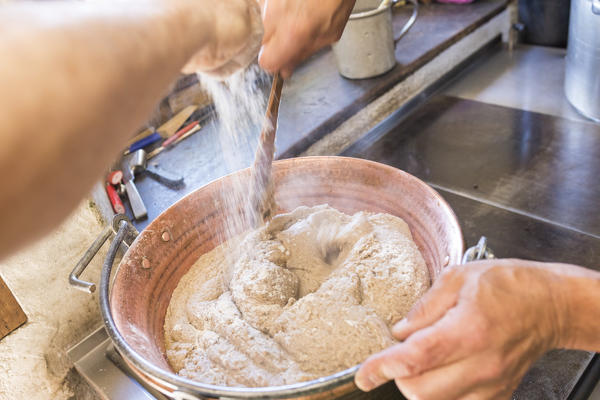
[311,293]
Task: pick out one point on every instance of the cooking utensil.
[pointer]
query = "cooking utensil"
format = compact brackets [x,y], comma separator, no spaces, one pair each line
[134,309]
[262,197]
[367,46]
[138,165]
[582,73]
[140,144]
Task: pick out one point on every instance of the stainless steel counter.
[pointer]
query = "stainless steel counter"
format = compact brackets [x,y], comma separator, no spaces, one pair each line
[530,78]
[528,181]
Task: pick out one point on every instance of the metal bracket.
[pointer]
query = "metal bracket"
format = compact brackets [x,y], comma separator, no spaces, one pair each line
[481,251]
[89,255]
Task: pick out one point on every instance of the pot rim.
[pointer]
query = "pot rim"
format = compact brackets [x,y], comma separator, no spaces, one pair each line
[370,13]
[187,387]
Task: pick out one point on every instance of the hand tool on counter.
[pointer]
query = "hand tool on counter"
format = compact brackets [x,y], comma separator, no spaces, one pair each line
[138,208]
[178,137]
[115,199]
[186,135]
[146,141]
[168,128]
[262,196]
[139,164]
[121,189]
[113,180]
[115,177]
[180,133]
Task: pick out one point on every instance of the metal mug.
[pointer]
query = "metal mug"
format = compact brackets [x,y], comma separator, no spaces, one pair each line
[367,46]
[582,74]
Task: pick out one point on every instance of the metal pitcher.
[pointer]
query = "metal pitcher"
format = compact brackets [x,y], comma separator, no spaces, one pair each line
[582,75]
[367,46]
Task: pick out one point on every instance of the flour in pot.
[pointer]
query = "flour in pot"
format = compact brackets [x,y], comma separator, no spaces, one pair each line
[311,293]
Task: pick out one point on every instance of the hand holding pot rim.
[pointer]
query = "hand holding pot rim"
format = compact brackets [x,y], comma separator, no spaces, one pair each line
[482,325]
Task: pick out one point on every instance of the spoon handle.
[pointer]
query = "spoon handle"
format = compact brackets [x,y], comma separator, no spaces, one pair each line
[263,159]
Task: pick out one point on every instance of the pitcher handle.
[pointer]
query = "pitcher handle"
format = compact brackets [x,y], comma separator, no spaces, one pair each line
[411,21]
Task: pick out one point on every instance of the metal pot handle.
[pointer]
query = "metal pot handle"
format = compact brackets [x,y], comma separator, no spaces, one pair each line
[411,21]
[90,253]
[480,251]
[125,229]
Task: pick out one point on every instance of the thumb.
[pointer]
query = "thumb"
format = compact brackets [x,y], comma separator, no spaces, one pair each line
[442,296]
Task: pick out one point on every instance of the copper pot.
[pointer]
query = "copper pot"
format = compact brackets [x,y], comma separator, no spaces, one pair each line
[134,311]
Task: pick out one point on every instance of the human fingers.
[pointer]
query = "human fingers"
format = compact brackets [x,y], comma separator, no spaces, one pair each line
[490,393]
[285,27]
[287,47]
[432,347]
[441,297]
[287,69]
[269,12]
[473,378]
[295,29]
[451,382]
[235,41]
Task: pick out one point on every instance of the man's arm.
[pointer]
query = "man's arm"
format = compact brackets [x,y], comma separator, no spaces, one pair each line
[76,78]
[481,326]
[581,290]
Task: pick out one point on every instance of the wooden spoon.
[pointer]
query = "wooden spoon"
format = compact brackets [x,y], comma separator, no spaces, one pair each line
[262,189]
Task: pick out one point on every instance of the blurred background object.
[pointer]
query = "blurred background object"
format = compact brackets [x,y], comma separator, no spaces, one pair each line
[546,23]
[582,80]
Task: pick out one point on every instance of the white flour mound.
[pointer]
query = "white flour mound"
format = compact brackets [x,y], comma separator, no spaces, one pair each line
[311,293]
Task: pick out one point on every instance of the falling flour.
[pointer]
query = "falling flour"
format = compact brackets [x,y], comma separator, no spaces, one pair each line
[310,293]
[239,102]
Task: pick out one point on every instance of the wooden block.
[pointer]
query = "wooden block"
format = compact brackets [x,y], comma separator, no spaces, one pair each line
[11,313]
[169,128]
[193,94]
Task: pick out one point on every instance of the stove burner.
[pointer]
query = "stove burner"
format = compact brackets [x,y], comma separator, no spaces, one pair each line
[98,362]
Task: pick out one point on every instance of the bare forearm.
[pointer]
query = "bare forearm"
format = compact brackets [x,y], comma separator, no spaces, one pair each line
[581,291]
[75,79]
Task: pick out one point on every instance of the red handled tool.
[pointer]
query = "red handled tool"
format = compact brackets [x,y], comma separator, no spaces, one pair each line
[115,200]
[183,133]
[180,133]
[113,179]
